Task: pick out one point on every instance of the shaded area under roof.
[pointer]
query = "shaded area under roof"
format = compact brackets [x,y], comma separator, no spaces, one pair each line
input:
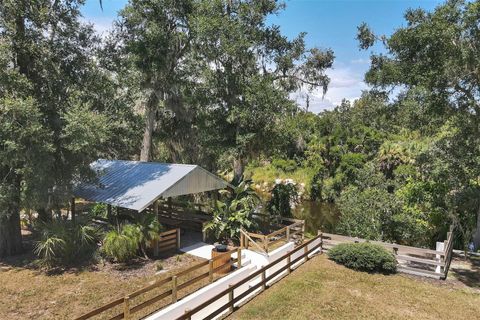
[136,185]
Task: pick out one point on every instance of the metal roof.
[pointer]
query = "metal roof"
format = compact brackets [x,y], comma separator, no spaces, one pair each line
[136,185]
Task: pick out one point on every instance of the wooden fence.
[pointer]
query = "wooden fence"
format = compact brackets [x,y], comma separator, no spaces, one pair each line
[167,241]
[177,215]
[412,260]
[265,281]
[262,243]
[174,284]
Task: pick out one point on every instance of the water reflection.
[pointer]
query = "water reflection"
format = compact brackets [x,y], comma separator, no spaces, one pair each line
[317,215]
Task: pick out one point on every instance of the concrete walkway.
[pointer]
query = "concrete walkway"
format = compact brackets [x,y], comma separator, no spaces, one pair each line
[199,249]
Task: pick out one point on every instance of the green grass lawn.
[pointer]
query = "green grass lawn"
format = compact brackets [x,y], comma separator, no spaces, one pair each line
[321,289]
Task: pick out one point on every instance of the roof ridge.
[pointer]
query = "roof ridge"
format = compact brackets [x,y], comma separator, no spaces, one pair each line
[151,162]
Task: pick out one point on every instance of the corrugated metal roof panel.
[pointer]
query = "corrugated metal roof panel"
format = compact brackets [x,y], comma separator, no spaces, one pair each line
[135,185]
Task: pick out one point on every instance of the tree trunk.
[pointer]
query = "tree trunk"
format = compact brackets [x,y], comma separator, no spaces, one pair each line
[10,235]
[150,115]
[238,169]
[10,232]
[476,238]
[44,214]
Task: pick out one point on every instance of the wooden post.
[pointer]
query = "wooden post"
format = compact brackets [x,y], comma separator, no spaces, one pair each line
[126,307]
[187,311]
[210,270]
[156,246]
[288,233]
[72,209]
[178,238]
[289,259]
[230,297]
[204,233]
[305,251]
[265,243]
[303,231]
[169,201]
[174,289]
[239,257]
[321,240]
[155,207]
[264,283]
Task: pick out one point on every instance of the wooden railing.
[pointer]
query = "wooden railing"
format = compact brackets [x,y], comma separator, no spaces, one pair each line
[174,283]
[264,242]
[413,260]
[267,277]
[168,240]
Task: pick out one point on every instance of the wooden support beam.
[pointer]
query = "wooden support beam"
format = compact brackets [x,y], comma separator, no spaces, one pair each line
[178,238]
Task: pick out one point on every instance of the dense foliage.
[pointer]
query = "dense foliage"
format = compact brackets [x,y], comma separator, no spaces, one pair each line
[233,212]
[364,257]
[401,166]
[212,82]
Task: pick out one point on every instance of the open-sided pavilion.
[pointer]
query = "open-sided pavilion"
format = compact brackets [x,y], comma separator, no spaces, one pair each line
[141,186]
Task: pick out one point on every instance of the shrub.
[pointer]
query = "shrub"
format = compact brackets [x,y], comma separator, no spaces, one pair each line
[284,195]
[99,210]
[122,244]
[364,257]
[234,213]
[285,165]
[63,242]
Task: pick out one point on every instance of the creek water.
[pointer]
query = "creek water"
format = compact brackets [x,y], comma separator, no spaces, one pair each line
[317,215]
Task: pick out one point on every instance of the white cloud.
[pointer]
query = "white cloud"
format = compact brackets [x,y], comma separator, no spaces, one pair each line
[346,83]
[101,24]
[360,61]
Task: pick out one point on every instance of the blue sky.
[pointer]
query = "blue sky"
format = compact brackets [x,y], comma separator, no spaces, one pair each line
[328,23]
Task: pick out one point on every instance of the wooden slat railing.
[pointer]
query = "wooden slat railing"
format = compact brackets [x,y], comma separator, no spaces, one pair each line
[264,283]
[167,241]
[418,261]
[175,286]
[264,242]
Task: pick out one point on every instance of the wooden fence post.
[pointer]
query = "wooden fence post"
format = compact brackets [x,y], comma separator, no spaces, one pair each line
[303,231]
[230,296]
[239,257]
[210,270]
[174,289]
[126,307]
[288,233]
[264,283]
[187,311]
[178,238]
[305,252]
[265,243]
[289,260]
[319,232]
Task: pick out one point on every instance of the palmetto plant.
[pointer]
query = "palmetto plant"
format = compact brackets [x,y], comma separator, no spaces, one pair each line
[62,242]
[129,235]
[122,243]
